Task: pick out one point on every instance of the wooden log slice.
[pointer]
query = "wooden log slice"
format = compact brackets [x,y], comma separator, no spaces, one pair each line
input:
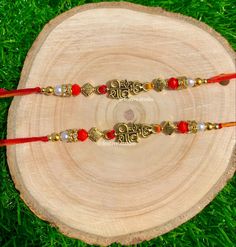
[99,192]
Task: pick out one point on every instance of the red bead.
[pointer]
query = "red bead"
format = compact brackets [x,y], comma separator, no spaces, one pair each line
[76,89]
[82,135]
[111,134]
[182,127]
[220,126]
[173,83]
[102,89]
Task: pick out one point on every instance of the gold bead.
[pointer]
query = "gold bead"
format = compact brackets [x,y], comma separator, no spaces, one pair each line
[57,137]
[210,126]
[49,90]
[149,85]
[199,81]
[54,137]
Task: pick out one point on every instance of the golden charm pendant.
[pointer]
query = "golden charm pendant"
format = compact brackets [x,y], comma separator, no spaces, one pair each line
[124,89]
[131,132]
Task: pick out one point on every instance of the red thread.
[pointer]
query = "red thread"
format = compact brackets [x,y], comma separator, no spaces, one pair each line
[229,124]
[221,77]
[22,140]
[5,93]
[2,90]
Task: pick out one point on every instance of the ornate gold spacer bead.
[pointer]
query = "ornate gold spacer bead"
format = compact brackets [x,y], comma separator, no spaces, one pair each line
[159,84]
[193,126]
[183,82]
[66,90]
[72,135]
[95,134]
[87,89]
[168,127]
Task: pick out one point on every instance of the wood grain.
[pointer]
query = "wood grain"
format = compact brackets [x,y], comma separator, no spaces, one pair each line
[104,193]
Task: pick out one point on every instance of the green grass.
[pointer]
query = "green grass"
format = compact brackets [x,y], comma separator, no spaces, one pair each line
[20,23]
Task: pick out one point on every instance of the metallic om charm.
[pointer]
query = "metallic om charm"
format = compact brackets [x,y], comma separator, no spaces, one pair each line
[131,132]
[124,89]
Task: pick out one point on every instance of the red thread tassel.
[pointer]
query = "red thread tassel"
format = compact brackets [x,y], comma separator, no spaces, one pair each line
[229,124]
[221,77]
[23,140]
[5,93]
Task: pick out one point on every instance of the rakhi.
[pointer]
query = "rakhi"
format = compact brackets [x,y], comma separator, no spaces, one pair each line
[123,132]
[119,89]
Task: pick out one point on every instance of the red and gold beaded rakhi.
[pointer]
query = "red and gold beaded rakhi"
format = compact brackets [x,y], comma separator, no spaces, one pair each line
[119,89]
[123,132]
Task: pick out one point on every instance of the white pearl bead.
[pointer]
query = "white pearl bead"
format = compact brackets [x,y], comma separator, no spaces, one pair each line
[201,126]
[58,90]
[191,82]
[64,136]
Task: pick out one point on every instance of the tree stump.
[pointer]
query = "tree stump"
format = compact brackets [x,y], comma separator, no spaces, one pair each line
[104,193]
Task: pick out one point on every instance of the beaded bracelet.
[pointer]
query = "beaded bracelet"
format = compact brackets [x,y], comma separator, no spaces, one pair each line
[123,132]
[120,89]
